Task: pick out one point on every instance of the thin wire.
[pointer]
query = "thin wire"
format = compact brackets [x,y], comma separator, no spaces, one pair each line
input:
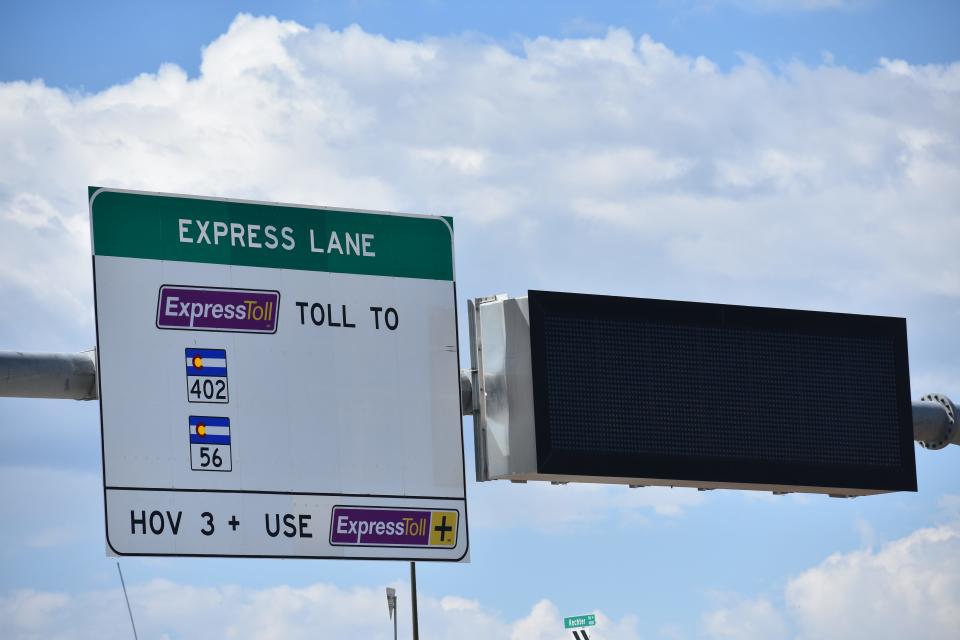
[129,610]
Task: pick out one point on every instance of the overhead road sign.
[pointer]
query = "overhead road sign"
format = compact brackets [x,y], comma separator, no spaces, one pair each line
[277,380]
[588,388]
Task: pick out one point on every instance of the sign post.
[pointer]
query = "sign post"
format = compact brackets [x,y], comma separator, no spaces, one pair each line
[577,623]
[276,380]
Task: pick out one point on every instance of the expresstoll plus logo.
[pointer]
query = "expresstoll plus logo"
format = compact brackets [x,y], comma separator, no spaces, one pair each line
[217,309]
[393,527]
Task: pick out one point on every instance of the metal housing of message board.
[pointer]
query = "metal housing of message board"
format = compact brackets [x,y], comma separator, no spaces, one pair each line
[143,257]
[519,394]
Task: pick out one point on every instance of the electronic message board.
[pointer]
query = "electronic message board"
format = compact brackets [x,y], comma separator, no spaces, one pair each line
[277,380]
[709,395]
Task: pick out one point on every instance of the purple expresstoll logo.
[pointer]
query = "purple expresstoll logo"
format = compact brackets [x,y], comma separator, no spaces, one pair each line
[389,527]
[217,309]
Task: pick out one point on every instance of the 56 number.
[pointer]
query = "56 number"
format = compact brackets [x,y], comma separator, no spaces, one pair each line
[208,459]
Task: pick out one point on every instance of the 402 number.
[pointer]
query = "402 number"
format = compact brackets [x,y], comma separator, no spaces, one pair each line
[207,390]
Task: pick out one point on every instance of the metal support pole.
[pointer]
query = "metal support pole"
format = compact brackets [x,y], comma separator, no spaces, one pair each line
[936,419]
[67,376]
[413,600]
[73,376]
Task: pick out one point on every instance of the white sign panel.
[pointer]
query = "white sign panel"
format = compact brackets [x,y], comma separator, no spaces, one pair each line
[277,381]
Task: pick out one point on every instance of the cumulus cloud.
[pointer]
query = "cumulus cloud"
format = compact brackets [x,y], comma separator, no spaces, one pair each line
[745,619]
[844,182]
[568,508]
[776,6]
[905,589]
[164,609]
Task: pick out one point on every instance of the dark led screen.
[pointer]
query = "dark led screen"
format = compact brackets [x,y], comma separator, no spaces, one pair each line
[689,391]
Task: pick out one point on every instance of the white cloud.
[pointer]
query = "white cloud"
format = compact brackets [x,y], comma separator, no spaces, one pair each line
[845,181]
[164,609]
[776,6]
[908,585]
[568,508]
[905,589]
[745,619]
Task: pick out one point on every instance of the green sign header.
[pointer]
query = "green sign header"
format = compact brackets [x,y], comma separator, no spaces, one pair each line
[188,229]
[575,622]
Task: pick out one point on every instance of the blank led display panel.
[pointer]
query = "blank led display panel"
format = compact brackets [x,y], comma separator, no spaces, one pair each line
[720,394]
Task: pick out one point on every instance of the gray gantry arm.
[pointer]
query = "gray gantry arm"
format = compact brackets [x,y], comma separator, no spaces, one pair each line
[73,376]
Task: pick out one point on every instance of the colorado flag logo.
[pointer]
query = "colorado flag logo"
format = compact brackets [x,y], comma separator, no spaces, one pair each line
[207,375]
[210,443]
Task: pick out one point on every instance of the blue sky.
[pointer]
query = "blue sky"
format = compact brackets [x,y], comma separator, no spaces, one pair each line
[93,45]
[792,153]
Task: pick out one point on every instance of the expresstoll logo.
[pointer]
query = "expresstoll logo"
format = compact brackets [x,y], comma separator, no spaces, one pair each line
[217,309]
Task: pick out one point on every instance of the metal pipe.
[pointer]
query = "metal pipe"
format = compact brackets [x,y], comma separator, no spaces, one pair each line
[929,421]
[935,421]
[65,376]
[73,376]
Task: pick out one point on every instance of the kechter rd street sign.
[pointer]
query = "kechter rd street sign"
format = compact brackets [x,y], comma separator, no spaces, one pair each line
[575,622]
[277,380]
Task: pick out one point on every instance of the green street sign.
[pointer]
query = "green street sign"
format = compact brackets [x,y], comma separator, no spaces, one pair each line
[575,622]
